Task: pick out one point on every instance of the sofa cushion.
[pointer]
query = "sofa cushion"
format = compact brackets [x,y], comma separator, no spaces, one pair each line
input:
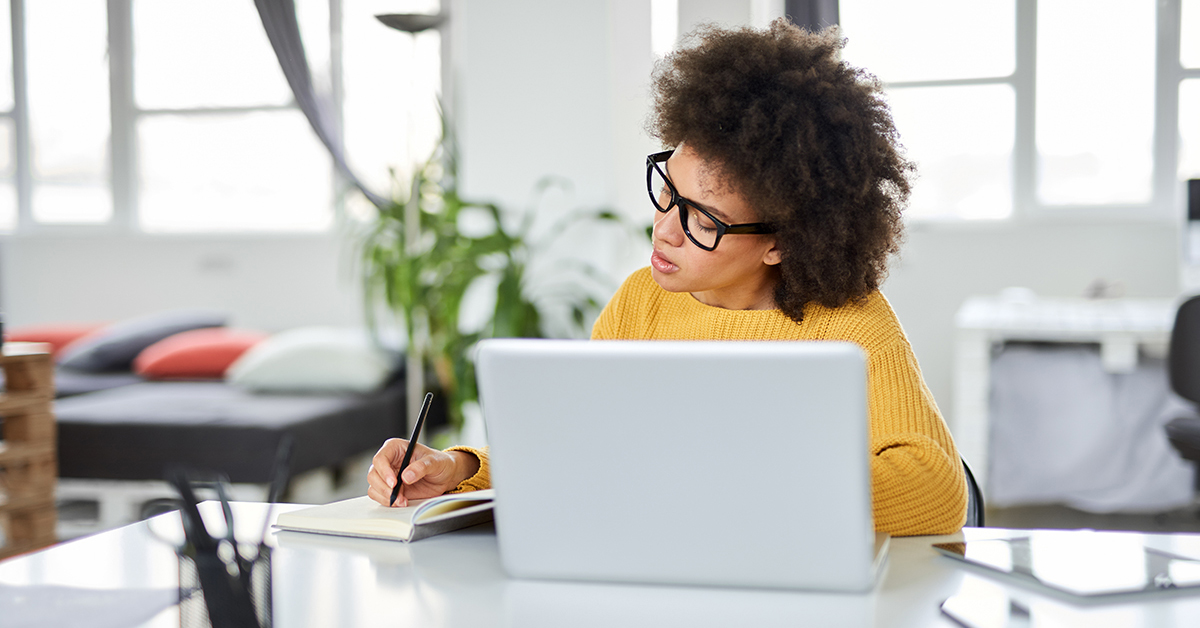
[113,348]
[310,359]
[196,354]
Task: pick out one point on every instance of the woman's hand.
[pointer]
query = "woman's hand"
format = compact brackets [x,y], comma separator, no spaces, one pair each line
[429,473]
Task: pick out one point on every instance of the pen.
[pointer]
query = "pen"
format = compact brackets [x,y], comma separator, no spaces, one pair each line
[412,444]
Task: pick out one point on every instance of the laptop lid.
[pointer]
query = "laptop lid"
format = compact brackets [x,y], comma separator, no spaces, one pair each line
[713,463]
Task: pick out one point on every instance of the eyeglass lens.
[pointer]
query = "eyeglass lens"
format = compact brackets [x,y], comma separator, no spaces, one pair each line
[699,227]
[659,192]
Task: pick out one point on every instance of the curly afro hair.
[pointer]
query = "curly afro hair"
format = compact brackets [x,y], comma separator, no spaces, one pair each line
[807,141]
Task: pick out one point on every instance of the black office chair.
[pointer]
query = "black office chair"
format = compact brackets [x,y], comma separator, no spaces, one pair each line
[974,500]
[1183,367]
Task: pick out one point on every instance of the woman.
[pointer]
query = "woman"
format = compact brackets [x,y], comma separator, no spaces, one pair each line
[777,211]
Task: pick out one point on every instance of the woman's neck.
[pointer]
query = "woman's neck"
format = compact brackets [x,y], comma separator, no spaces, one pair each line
[755,295]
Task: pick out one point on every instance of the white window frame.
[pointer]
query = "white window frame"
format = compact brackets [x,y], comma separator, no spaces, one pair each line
[1166,190]
[124,117]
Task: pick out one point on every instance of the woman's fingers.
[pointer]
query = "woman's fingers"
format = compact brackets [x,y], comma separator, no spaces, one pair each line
[388,458]
[420,468]
[379,496]
[430,472]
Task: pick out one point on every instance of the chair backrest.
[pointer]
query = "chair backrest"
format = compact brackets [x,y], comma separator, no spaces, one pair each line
[1183,361]
[974,500]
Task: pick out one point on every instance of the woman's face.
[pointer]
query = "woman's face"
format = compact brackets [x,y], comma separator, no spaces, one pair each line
[740,273]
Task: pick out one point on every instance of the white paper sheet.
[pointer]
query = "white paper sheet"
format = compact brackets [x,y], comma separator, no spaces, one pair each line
[30,606]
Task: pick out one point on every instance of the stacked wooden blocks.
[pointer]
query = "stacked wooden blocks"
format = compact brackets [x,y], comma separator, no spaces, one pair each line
[28,454]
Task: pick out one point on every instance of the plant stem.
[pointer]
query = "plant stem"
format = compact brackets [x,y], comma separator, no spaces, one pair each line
[414,371]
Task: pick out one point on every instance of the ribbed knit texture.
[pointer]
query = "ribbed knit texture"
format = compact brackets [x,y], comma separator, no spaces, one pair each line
[482,478]
[917,479]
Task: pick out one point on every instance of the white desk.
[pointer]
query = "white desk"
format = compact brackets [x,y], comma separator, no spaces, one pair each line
[456,580]
[1119,326]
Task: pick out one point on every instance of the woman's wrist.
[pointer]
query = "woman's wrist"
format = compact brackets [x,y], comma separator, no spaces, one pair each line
[466,465]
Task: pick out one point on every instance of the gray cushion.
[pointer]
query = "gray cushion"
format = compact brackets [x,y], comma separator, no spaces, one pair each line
[114,347]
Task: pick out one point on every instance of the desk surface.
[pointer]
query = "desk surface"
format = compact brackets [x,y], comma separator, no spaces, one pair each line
[1066,317]
[456,580]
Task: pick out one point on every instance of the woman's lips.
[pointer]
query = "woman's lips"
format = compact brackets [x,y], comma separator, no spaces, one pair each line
[662,264]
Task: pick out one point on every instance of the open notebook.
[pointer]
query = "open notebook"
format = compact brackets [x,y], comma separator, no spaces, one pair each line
[364,517]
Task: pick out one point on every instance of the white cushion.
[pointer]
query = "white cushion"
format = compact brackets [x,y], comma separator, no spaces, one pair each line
[324,359]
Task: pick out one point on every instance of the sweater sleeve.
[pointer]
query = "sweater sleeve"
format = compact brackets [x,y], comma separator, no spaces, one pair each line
[917,478]
[482,478]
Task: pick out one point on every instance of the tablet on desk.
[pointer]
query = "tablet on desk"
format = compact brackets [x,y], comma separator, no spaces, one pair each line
[1088,564]
[982,602]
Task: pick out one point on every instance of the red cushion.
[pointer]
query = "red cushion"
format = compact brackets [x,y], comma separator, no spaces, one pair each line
[196,354]
[57,335]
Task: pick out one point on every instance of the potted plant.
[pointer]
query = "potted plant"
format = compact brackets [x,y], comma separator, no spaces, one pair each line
[419,262]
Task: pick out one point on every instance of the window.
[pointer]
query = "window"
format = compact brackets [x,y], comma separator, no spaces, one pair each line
[1094,112]
[171,116]
[67,93]
[664,25]
[1034,107]
[219,147]
[8,160]
[391,86]
[1189,90]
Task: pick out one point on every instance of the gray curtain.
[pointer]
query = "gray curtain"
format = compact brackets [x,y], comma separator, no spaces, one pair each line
[812,14]
[279,20]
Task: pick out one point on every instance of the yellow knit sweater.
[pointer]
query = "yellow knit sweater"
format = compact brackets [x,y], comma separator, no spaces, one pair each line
[917,478]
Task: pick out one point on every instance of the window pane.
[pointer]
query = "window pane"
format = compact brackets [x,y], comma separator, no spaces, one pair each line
[1189,34]
[961,139]
[1189,129]
[263,171]
[8,206]
[919,40]
[200,54]
[664,26]
[7,162]
[6,83]
[1095,101]
[392,81]
[8,190]
[68,110]
[313,19]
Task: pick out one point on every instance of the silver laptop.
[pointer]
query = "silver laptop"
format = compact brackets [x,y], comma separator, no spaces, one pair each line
[694,463]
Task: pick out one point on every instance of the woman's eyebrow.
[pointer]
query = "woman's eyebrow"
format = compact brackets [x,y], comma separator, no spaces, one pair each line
[720,215]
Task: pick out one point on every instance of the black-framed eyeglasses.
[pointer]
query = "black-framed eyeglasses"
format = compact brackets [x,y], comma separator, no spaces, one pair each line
[701,227]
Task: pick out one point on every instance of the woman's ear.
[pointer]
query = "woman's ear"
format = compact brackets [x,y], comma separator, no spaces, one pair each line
[772,256]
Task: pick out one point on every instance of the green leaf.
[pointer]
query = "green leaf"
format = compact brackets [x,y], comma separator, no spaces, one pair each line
[430,281]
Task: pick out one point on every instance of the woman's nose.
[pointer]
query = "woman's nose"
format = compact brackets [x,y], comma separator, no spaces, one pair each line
[667,228]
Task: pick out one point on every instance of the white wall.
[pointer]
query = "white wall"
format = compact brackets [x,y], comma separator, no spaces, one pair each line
[546,87]
[941,265]
[550,88]
[267,283]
